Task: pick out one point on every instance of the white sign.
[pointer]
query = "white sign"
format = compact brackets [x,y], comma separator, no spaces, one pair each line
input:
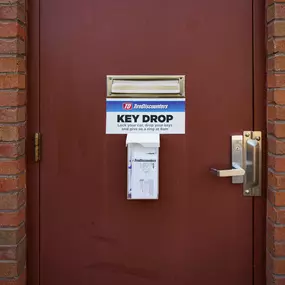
[159,115]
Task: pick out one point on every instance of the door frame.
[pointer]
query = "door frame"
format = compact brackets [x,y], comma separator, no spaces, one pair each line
[33,169]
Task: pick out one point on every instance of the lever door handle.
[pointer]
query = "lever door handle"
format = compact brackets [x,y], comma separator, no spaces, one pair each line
[236,171]
[246,163]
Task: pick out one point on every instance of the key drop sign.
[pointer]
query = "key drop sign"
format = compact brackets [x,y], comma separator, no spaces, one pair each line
[157,115]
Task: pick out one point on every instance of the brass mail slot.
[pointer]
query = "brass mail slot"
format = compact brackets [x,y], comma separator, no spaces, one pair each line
[145,86]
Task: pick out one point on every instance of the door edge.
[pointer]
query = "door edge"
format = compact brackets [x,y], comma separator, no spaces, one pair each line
[33,169]
[259,123]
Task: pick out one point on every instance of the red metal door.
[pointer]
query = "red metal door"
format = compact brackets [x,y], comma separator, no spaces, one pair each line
[200,230]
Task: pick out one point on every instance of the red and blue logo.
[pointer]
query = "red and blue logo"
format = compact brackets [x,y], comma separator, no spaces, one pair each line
[127,106]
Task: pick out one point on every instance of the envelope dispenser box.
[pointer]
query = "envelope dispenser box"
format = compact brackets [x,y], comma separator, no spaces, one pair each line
[142,166]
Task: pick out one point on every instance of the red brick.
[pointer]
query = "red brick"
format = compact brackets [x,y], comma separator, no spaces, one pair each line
[11,236]
[270,96]
[13,261]
[271,63]
[274,145]
[280,199]
[276,112]
[12,12]
[279,249]
[9,81]
[275,29]
[275,45]
[11,269]
[270,13]
[276,128]
[12,149]
[12,98]
[13,218]
[12,64]
[276,63]
[12,200]
[270,127]
[275,264]
[19,280]
[275,214]
[276,198]
[277,181]
[11,30]
[276,232]
[12,115]
[13,252]
[271,213]
[275,162]
[13,183]
[270,46]
[276,95]
[276,249]
[275,279]
[276,11]
[279,97]
[12,132]
[271,112]
[275,80]
[12,46]
[10,167]
[279,45]
[271,196]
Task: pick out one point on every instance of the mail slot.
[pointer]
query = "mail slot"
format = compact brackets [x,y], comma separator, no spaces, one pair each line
[146,86]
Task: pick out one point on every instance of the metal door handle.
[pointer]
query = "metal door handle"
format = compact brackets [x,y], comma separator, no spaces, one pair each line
[246,163]
[236,171]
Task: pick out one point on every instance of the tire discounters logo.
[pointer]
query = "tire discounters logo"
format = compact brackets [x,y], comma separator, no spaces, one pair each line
[127,106]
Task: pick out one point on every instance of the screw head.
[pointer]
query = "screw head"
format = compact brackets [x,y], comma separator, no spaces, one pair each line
[237,148]
[247,191]
[247,134]
[257,138]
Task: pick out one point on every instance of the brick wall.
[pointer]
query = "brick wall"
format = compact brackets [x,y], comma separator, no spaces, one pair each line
[276,142]
[12,142]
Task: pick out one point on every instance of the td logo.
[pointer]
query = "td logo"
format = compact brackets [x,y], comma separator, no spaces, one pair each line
[127,106]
